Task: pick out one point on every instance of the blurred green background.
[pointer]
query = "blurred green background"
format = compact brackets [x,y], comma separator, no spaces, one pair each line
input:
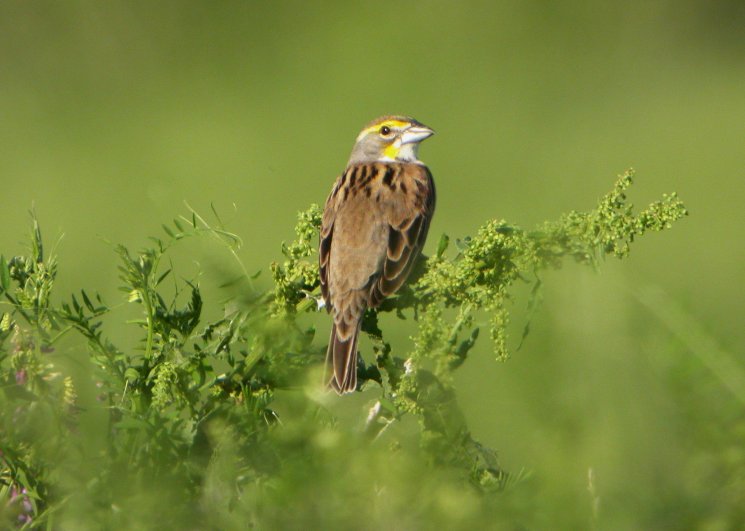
[114,113]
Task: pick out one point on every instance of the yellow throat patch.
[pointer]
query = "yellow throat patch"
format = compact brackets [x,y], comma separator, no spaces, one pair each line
[391,151]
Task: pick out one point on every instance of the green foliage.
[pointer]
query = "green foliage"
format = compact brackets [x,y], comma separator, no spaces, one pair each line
[293,278]
[214,424]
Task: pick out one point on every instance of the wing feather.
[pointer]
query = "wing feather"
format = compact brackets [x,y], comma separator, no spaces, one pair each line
[405,242]
[324,249]
[324,245]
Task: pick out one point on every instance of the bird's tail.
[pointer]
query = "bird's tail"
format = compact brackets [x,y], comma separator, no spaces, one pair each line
[341,361]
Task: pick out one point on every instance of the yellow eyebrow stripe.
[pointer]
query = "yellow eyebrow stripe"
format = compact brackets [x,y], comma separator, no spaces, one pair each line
[389,123]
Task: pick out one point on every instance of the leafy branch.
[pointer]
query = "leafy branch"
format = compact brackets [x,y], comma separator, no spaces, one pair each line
[476,281]
[196,395]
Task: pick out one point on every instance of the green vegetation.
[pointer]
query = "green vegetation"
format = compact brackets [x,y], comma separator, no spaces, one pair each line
[224,424]
[621,403]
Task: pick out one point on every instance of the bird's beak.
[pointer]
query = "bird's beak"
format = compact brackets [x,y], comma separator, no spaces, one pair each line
[415,134]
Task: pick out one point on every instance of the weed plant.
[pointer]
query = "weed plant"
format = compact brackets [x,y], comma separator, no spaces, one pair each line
[222,424]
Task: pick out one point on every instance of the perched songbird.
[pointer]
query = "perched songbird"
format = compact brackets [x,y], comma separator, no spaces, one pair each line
[374,225]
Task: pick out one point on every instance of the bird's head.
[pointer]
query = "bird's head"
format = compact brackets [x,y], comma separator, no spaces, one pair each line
[389,139]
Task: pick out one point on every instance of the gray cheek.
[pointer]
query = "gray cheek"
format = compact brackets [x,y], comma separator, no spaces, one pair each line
[373,149]
[369,150]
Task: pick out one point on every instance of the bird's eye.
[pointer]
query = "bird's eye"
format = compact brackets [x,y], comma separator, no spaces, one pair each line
[385,130]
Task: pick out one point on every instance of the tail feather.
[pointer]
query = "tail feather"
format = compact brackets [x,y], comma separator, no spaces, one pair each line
[341,359]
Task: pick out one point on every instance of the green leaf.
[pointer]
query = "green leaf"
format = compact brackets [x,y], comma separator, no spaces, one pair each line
[4,274]
[463,244]
[217,216]
[443,245]
[87,301]
[162,277]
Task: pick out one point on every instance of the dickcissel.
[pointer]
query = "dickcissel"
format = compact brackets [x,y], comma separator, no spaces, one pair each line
[374,225]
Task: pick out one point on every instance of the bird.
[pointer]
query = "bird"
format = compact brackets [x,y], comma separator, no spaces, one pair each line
[374,225]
